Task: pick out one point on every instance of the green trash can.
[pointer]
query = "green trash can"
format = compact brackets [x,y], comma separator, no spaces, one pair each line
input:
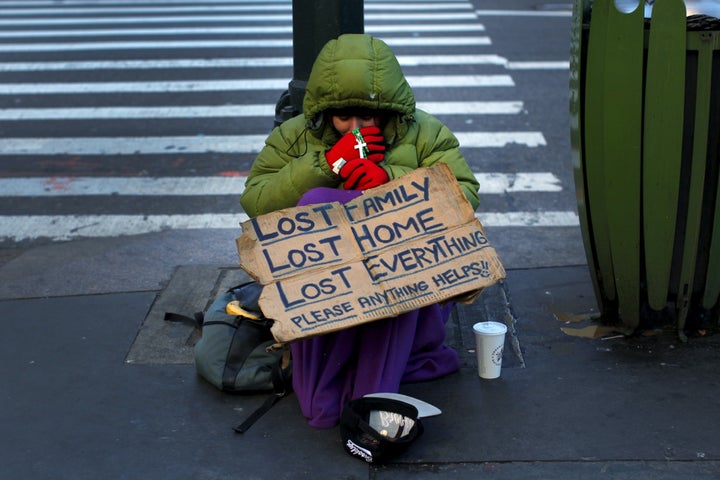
[645,128]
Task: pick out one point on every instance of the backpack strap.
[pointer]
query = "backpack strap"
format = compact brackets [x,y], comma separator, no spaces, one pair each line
[282,387]
[196,320]
[262,410]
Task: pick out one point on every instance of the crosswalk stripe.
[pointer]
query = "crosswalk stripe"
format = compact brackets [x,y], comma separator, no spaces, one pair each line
[253,62]
[105,113]
[216,111]
[525,13]
[267,29]
[430,81]
[418,60]
[66,10]
[280,18]
[66,227]
[490,183]
[265,62]
[499,139]
[144,87]
[50,3]
[560,65]
[530,219]
[287,7]
[274,43]
[472,108]
[211,144]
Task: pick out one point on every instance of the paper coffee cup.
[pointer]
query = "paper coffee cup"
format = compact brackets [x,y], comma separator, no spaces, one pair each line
[489,343]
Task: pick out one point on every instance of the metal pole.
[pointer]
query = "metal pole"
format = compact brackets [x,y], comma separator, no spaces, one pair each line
[315,22]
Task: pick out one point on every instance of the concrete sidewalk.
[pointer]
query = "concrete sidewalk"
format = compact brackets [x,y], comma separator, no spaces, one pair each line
[92,387]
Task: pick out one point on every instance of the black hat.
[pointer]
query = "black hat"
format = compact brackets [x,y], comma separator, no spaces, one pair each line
[377,429]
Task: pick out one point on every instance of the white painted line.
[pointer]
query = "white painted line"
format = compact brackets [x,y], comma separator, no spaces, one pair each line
[80,186]
[255,43]
[155,87]
[132,145]
[471,108]
[105,113]
[430,81]
[123,32]
[524,13]
[52,3]
[148,64]
[382,2]
[530,219]
[105,10]
[267,30]
[490,184]
[497,183]
[416,60]
[67,227]
[563,65]
[287,7]
[499,139]
[231,111]
[280,18]
[140,45]
[420,27]
[259,62]
[207,144]
[443,81]
[127,10]
[139,20]
[413,7]
[262,62]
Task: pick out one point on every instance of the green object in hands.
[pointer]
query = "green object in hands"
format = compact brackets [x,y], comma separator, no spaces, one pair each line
[361,144]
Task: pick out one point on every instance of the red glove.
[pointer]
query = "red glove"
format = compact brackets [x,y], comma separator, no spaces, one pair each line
[375,144]
[361,174]
[366,143]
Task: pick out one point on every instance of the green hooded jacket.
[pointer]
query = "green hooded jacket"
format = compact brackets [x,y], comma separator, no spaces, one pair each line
[354,70]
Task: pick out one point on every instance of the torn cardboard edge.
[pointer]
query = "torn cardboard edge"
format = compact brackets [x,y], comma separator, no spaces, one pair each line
[412,242]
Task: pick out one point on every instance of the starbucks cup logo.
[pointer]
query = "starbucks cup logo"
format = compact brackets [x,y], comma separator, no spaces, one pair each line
[497,355]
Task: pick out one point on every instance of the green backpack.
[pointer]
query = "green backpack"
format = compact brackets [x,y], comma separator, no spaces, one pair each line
[234,352]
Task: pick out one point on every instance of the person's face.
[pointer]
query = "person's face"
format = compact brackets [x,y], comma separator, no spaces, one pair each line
[346,123]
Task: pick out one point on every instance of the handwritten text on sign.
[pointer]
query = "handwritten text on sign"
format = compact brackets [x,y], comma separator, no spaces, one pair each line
[410,243]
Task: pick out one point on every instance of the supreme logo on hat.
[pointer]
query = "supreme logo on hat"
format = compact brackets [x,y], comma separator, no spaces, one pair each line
[378,429]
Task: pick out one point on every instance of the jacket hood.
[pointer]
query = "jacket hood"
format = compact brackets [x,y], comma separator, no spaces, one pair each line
[357,70]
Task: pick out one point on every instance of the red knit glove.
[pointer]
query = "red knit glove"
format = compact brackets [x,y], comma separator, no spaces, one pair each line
[361,174]
[362,143]
[375,144]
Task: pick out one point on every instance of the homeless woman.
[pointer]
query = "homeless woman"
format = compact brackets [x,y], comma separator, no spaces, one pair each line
[360,129]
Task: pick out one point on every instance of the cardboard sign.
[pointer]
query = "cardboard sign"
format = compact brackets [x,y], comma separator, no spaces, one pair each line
[409,243]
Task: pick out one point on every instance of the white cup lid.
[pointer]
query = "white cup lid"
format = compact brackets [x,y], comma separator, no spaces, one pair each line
[490,328]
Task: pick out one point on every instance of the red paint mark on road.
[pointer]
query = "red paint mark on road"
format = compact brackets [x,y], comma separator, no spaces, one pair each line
[59,183]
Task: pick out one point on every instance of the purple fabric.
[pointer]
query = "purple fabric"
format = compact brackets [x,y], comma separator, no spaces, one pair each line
[331,369]
[327,195]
